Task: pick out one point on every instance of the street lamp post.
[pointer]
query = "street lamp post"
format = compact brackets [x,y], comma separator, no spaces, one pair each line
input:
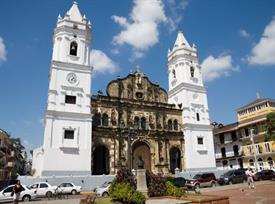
[252,133]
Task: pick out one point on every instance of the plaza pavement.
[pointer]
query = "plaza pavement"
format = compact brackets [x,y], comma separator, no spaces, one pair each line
[76,201]
[240,193]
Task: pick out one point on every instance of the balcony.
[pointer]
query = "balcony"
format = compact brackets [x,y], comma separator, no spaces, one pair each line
[228,154]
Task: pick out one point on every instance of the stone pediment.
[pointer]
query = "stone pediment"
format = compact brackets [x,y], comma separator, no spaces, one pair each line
[137,86]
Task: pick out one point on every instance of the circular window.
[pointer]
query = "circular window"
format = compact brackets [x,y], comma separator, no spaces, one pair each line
[139,95]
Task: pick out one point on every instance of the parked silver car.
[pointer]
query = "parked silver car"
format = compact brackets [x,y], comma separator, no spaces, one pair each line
[103,190]
[26,195]
[69,188]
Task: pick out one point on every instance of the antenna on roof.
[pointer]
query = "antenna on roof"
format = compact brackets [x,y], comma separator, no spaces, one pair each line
[258,95]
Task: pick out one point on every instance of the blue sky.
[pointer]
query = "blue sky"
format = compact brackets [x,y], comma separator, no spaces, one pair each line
[235,41]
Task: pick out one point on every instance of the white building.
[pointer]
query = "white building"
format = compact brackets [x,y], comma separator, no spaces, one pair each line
[186,89]
[68,124]
[228,147]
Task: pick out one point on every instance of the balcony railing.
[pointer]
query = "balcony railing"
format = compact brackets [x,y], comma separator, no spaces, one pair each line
[228,154]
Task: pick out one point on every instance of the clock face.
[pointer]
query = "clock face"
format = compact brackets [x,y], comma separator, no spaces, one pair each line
[72,78]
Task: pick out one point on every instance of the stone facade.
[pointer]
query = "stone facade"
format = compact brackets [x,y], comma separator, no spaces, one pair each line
[135,114]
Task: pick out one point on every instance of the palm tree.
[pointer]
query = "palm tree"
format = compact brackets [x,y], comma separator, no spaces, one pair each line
[270,126]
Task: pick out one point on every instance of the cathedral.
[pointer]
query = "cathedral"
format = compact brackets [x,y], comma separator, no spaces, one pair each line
[136,119]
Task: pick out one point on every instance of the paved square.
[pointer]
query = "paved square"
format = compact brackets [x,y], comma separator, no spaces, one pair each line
[263,194]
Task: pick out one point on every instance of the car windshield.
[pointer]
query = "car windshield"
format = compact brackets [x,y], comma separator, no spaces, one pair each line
[105,184]
[229,173]
[197,176]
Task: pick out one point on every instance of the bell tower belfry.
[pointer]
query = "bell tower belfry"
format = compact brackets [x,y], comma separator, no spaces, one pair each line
[187,91]
[68,124]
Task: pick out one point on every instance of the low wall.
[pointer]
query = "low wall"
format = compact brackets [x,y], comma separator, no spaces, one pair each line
[88,182]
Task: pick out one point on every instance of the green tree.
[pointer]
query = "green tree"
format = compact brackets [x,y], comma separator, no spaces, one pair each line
[270,126]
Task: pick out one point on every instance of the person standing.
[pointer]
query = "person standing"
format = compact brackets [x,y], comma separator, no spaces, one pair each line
[16,192]
[250,180]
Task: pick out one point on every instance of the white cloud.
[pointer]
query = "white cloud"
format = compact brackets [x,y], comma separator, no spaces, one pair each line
[213,68]
[3,51]
[175,8]
[101,62]
[243,33]
[141,29]
[263,53]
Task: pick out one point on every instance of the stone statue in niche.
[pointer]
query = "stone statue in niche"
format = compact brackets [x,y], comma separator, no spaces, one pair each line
[150,95]
[121,119]
[129,91]
[158,120]
[113,117]
[160,151]
[151,122]
[139,81]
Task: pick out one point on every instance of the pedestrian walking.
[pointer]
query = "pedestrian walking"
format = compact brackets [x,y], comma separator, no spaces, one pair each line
[16,192]
[250,180]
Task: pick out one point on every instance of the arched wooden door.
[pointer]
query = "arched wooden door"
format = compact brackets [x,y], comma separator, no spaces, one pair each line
[143,150]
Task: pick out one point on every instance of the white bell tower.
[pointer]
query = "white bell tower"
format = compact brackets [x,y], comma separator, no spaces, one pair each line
[68,124]
[187,91]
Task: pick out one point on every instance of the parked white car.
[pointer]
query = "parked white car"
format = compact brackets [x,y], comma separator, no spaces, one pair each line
[43,189]
[69,188]
[103,190]
[26,195]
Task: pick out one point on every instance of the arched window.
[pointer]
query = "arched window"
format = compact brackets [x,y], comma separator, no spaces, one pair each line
[143,123]
[260,163]
[270,163]
[170,125]
[225,163]
[192,71]
[96,120]
[73,48]
[174,73]
[251,162]
[136,122]
[198,116]
[105,119]
[175,125]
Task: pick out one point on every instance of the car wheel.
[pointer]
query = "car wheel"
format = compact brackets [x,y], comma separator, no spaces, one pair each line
[49,194]
[105,194]
[73,192]
[26,198]
[230,182]
[213,184]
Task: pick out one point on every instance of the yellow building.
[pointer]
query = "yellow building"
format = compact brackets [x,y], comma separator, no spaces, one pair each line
[251,126]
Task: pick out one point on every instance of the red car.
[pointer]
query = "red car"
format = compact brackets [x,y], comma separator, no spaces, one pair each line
[264,175]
